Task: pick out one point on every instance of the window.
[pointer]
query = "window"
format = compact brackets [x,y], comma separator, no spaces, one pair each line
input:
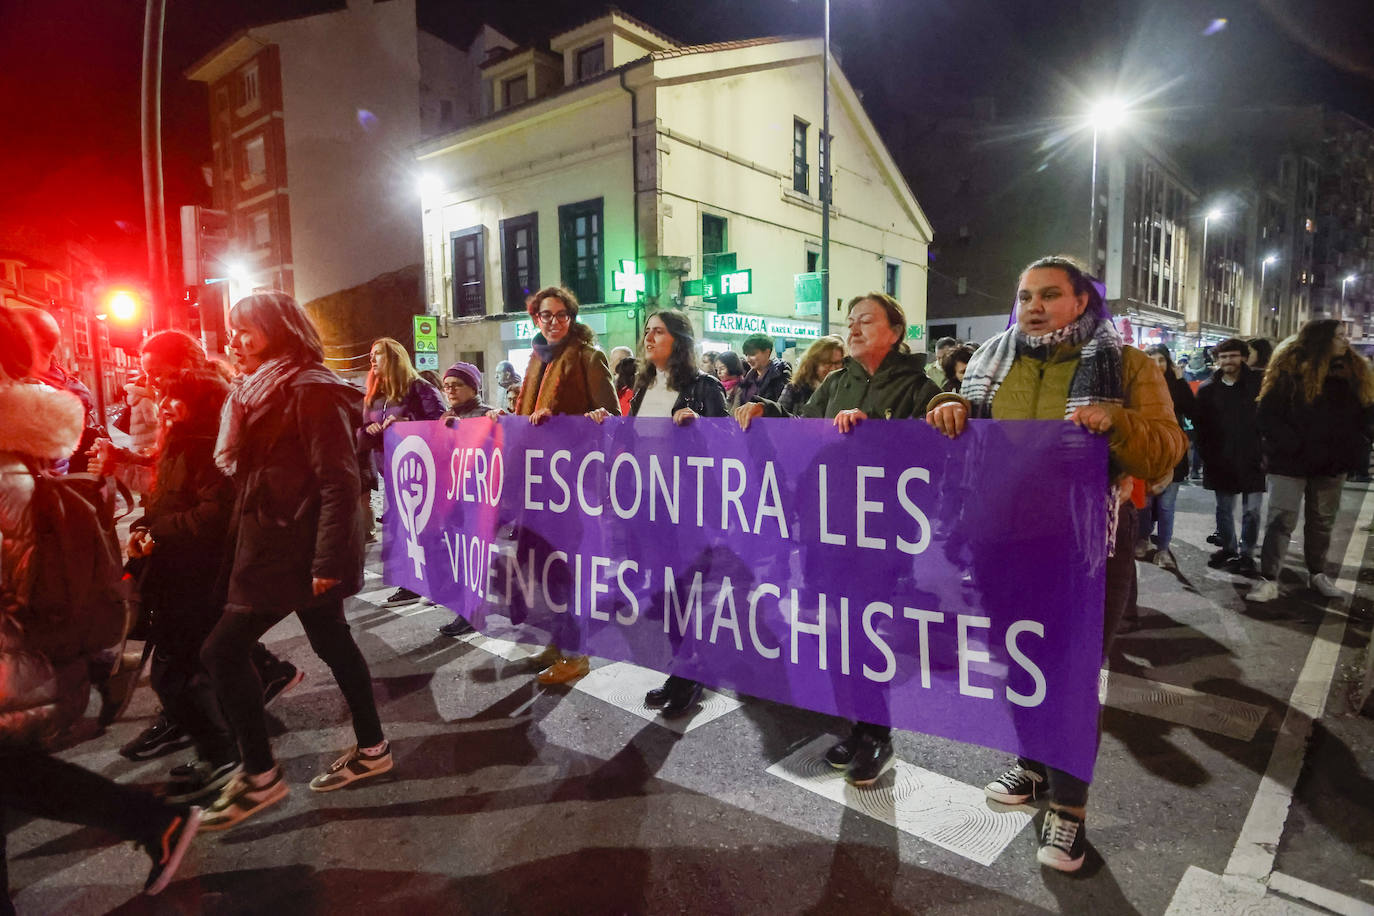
[713,237]
[469,287]
[961,290]
[255,159]
[515,91]
[248,87]
[520,259]
[892,279]
[801,172]
[813,260]
[262,229]
[580,241]
[591,61]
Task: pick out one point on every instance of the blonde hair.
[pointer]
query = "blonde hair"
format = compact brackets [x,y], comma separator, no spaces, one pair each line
[396,373]
[819,352]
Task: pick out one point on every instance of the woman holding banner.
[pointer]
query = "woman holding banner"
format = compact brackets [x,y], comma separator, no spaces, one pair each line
[1063,359]
[880,379]
[567,374]
[669,384]
[297,543]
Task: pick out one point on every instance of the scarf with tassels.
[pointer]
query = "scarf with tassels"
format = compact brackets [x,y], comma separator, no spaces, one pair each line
[1096,380]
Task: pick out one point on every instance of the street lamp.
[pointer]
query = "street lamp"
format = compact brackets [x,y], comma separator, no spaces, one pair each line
[1207,218]
[1264,266]
[1344,283]
[1105,115]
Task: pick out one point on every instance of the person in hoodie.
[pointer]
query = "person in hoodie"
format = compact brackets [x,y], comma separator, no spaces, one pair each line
[44,686]
[1226,419]
[880,379]
[296,536]
[767,377]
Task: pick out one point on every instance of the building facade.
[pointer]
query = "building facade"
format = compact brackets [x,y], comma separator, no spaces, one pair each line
[628,168]
[312,123]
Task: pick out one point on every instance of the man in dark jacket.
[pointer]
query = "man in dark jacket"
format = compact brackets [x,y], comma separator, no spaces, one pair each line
[766,376]
[1228,441]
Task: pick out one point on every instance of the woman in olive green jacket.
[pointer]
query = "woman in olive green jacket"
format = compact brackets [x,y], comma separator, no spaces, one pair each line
[1065,361]
[881,380]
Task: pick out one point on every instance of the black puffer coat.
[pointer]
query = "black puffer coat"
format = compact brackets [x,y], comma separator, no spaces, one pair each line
[1228,433]
[188,518]
[1327,437]
[297,515]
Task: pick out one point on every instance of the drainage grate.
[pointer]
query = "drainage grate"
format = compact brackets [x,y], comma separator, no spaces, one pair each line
[623,685]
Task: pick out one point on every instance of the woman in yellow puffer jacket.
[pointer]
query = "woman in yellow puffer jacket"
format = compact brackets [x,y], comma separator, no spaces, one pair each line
[1064,360]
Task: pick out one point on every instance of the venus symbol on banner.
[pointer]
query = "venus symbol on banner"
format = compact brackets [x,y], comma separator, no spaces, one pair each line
[412,476]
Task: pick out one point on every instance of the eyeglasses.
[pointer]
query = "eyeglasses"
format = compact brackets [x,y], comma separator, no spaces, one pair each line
[554,317]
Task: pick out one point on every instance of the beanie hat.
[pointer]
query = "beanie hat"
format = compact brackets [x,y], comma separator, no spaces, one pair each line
[469,374]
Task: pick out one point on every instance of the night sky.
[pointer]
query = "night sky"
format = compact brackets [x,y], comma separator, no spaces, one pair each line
[69,73]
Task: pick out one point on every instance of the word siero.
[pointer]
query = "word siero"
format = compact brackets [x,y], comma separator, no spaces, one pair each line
[476,476]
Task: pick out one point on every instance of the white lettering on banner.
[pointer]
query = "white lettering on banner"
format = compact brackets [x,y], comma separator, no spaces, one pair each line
[536,582]
[476,476]
[741,323]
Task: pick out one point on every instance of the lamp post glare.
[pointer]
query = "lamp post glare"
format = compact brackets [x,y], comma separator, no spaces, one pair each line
[1105,114]
[1264,267]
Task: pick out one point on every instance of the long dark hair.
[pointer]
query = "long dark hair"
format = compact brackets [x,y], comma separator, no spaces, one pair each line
[1304,361]
[289,330]
[731,361]
[203,391]
[1082,283]
[682,362]
[1161,350]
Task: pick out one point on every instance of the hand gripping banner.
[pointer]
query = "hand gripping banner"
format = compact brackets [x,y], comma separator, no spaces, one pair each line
[889,575]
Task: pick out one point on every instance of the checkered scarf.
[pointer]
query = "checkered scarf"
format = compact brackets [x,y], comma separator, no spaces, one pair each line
[1096,379]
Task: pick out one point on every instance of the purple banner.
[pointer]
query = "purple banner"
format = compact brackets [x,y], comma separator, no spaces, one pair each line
[889,575]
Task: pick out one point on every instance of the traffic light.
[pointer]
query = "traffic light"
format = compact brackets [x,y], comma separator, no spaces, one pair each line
[126,318]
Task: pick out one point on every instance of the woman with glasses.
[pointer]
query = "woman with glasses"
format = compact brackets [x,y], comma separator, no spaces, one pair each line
[822,358]
[567,374]
[669,385]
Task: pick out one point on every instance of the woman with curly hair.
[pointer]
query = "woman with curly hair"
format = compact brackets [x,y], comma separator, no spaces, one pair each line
[567,374]
[1316,414]
[821,358]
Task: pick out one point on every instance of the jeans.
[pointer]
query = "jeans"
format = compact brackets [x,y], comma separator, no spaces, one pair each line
[227,655]
[1159,509]
[1249,521]
[1065,788]
[1323,498]
[41,786]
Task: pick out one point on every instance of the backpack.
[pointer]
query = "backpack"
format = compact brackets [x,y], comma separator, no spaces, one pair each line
[80,599]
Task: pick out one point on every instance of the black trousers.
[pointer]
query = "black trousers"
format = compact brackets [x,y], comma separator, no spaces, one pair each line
[227,655]
[42,786]
[188,699]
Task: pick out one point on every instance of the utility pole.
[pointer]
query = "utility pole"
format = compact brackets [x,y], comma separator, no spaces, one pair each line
[154,216]
[825,178]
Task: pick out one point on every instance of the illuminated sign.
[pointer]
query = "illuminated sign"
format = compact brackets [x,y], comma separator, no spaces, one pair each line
[739,323]
[628,281]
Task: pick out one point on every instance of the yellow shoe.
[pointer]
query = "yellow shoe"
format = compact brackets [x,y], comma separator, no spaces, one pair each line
[568,668]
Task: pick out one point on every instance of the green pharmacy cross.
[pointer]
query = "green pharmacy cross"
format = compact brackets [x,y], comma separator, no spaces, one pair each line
[628,281]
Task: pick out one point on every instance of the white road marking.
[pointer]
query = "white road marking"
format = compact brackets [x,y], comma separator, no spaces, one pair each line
[623,685]
[1331,900]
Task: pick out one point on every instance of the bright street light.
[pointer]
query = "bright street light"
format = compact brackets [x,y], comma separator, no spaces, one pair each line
[1105,115]
[123,306]
[429,185]
[1344,283]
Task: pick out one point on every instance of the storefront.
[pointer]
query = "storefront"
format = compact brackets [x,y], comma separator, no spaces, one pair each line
[727,331]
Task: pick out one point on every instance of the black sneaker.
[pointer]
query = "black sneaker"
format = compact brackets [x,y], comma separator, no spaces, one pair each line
[1219,559]
[457,627]
[682,696]
[1214,539]
[871,760]
[162,737]
[658,697]
[191,781]
[279,680]
[1063,840]
[1016,786]
[841,755]
[169,850]
[1242,566]
[401,596]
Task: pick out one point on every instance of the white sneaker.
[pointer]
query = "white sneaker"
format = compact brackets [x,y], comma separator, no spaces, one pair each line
[1267,590]
[1322,584]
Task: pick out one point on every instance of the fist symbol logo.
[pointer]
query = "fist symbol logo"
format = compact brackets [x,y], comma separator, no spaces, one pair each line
[412,477]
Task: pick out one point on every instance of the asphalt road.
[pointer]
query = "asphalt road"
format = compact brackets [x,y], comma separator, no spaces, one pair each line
[1245,784]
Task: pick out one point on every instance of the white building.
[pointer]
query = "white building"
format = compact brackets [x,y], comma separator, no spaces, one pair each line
[616,144]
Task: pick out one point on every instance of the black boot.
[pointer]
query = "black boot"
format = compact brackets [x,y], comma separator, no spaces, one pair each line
[682,696]
[870,760]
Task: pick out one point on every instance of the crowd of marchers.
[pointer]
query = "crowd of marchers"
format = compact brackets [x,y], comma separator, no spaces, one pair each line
[258,481]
